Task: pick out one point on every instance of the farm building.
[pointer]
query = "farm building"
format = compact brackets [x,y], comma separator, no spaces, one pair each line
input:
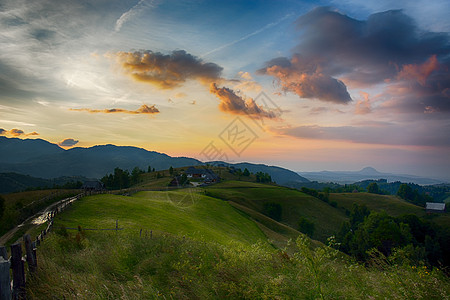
[206,174]
[432,207]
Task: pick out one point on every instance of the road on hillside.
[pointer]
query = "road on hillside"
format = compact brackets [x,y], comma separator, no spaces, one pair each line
[37,219]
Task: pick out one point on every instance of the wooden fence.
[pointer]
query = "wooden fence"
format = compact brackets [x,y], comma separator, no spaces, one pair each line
[15,264]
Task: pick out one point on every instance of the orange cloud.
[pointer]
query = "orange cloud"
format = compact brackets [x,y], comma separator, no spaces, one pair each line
[232,103]
[246,83]
[16,132]
[363,106]
[167,71]
[421,72]
[306,78]
[144,109]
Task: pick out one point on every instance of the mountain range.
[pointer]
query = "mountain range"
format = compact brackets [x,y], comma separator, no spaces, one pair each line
[345,177]
[42,159]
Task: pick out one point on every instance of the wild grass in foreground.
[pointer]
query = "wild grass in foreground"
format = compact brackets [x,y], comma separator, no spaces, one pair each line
[109,265]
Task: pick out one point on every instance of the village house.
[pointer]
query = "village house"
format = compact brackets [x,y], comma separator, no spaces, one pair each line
[207,175]
[432,207]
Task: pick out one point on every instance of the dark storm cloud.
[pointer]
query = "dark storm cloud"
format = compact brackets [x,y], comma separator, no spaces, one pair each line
[168,71]
[388,48]
[368,51]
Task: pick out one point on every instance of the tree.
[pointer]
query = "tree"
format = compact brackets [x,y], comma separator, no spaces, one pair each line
[246,172]
[273,210]
[149,169]
[405,192]
[373,188]
[263,177]
[306,226]
[120,179]
[171,171]
[135,175]
[357,215]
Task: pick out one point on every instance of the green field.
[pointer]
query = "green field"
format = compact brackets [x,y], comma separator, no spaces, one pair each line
[392,205]
[188,213]
[294,203]
[204,248]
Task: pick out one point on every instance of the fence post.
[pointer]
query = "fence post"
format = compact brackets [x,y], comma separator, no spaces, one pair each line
[18,271]
[5,280]
[34,247]
[3,252]
[31,260]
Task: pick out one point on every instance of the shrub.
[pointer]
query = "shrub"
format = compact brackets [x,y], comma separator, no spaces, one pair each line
[273,210]
[305,226]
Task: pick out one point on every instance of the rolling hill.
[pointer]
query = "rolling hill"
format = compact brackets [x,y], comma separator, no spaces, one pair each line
[294,205]
[203,248]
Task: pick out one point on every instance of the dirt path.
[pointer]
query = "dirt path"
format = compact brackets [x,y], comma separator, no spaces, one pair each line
[37,219]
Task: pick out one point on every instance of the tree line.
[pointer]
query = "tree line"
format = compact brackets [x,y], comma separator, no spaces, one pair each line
[405,239]
[122,179]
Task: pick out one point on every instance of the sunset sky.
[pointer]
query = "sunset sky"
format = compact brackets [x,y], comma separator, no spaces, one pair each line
[306,85]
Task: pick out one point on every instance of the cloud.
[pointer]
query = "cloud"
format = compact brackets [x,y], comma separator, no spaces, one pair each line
[246,83]
[363,106]
[16,132]
[232,103]
[144,109]
[306,79]
[420,73]
[180,95]
[405,135]
[336,52]
[245,75]
[129,14]
[68,143]
[168,71]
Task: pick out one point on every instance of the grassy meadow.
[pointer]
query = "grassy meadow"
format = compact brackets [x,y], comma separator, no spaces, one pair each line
[203,248]
[294,204]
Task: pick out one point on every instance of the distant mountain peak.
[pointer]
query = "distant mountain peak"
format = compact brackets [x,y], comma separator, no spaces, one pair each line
[369,170]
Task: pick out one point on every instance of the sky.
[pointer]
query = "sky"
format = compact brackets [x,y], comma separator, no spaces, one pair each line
[306,85]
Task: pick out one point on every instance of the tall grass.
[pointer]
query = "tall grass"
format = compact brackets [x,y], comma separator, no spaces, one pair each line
[109,265]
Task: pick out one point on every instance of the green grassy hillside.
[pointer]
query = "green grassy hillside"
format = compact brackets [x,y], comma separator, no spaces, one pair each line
[392,205]
[203,248]
[183,212]
[294,203]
